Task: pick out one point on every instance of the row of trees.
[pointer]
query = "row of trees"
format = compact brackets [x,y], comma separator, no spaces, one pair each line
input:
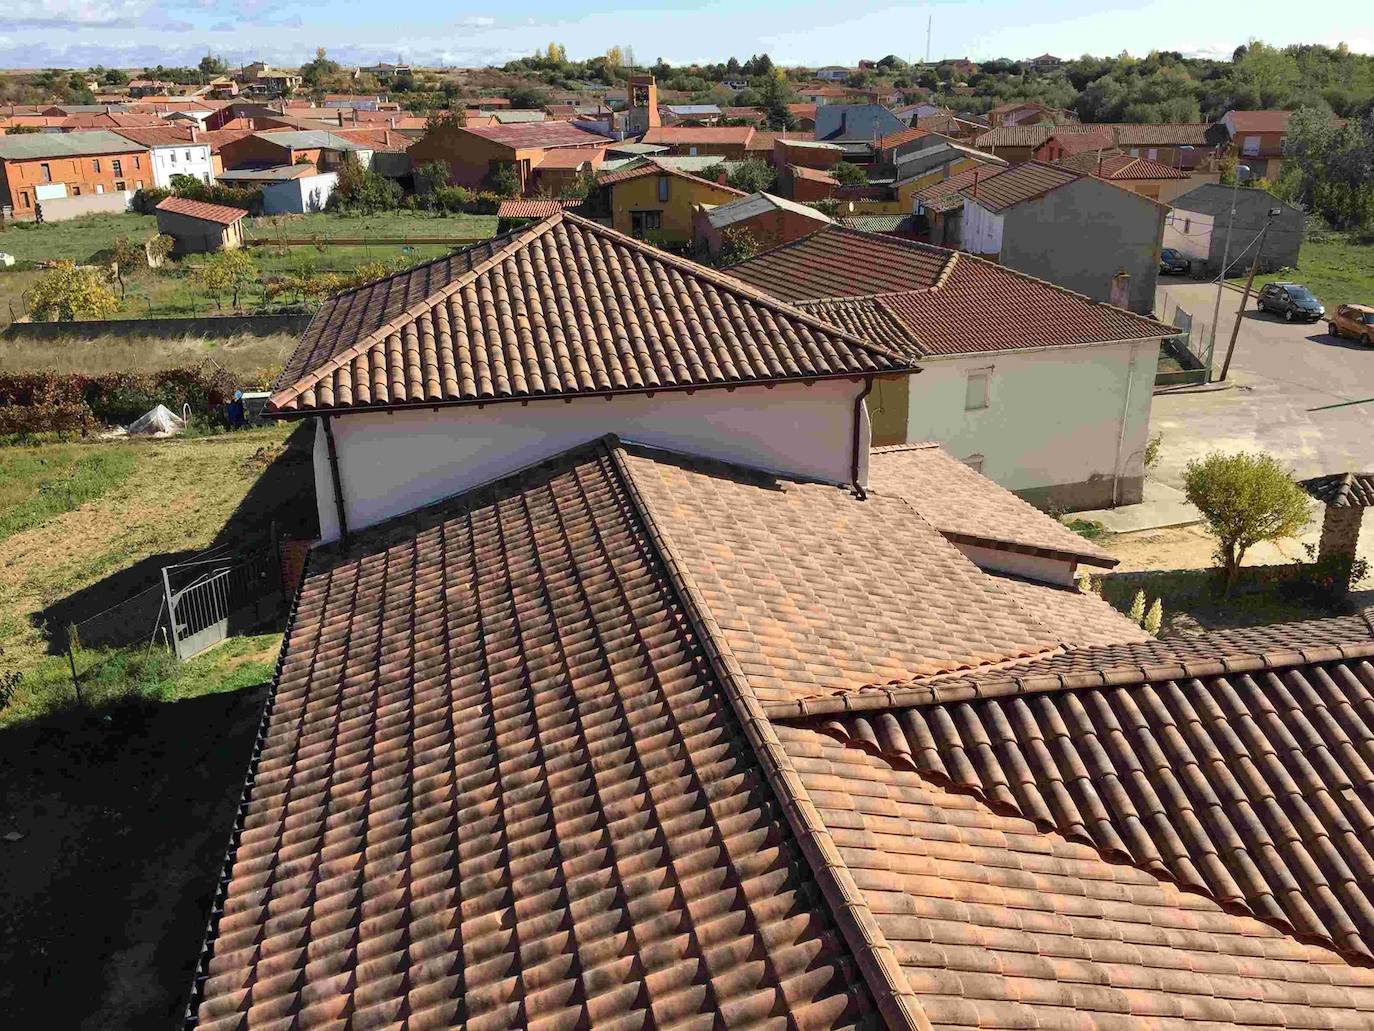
[1329,169]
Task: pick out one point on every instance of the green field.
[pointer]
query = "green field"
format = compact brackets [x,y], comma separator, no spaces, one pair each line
[384,225]
[75,240]
[1338,270]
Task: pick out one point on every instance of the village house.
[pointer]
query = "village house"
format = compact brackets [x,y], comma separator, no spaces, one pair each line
[696,141]
[1075,230]
[938,208]
[198,227]
[763,219]
[855,128]
[1198,223]
[173,151]
[1256,138]
[473,154]
[35,167]
[833,73]
[1025,112]
[286,189]
[989,379]
[320,148]
[654,200]
[1148,178]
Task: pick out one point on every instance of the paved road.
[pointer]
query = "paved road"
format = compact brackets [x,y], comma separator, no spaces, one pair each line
[1303,396]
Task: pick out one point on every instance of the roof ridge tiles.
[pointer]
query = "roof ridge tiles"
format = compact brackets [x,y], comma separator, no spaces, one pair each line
[512,243]
[873,954]
[947,689]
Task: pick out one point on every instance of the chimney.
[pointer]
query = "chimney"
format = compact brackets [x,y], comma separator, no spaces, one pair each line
[391,122]
[386,136]
[340,118]
[193,133]
[974,192]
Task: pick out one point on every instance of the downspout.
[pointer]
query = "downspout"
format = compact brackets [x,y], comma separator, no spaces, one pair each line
[1121,437]
[337,480]
[858,437]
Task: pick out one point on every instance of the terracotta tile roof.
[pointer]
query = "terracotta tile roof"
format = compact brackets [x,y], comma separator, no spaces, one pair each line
[814,175]
[997,921]
[225,216]
[1162,134]
[1091,137]
[879,223]
[803,110]
[838,262]
[1122,167]
[1259,121]
[561,307]
[816,592]
[752,114]
[534,135]
[968,508]
[896,139]
[377,137]
[1079,620]
[924,300]
[498,786]
[217,138]
[1234,786]
[947,195]
[571,157]
[1342,490]
[531,207]
[764,139]
[652,167]
[669,135]
[1020,183]
[1014,136]
[160,136]
[111,120]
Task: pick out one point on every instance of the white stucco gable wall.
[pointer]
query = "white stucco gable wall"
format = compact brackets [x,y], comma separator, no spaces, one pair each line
[981,229]
[1059,426]
[391,463]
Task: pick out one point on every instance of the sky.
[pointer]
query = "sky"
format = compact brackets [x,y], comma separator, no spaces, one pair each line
[134,33]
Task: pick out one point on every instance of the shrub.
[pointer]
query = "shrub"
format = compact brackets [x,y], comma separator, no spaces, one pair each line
[111,397]
[55,417]
[68,292]
[1244,498]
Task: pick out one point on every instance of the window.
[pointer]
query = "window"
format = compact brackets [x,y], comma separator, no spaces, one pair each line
[117,167]
[644,222]
[172,155]
[23,199]
[1250,146]
[76,191]
[691,152]
[47,172]
[1152,154]
[139,184]
[99,188]
[121,185]
[975,462]
[188,157]
[976,390]
[95,164]
[137,163]
[662,188]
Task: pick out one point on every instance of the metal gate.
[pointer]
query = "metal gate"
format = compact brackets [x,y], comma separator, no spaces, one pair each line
[208,599]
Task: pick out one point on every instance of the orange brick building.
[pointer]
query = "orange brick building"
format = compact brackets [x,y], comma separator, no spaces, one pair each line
[69,164]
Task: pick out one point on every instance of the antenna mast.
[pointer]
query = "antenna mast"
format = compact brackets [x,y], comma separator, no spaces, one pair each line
[930,18]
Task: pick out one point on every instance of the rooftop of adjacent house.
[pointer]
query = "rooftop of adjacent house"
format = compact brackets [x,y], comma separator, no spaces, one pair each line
[755,204]
[643,168]
[518,116]
[1020,183]
[532,207]
[206,212]
[586,311]
[311,139]
[536,135]
[688,110]
[161,136]
[927,301]
[682,135]
[1259,121]
[35,145]
[1122,167]
[1162,134]
[947,195]
[1216,199]
[877,223]
[635,148]
[277,173]
[858,123]
[1342,490]
[125,120]
[631,737]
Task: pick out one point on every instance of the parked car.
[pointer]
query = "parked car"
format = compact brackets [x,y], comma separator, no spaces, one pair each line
[1292,301]
[1173,263]
[1353,320]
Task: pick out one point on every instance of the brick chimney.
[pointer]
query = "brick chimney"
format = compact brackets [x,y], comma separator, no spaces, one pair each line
[193,133]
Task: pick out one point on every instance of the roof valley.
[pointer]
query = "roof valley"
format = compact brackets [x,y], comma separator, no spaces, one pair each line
[874,955]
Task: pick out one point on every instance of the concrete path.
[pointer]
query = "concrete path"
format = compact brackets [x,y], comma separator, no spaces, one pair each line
[1163,506]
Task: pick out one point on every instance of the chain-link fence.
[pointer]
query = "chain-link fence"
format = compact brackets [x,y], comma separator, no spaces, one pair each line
[1190,352]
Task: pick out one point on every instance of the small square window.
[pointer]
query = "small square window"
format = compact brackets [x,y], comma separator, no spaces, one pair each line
[976,390]
[662,188]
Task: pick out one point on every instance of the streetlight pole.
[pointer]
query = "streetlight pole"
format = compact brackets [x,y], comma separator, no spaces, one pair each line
[1245,296]
[1225,258]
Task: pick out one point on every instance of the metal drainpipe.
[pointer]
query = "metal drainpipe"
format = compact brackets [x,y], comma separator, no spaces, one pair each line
[858,424]
[334,475]
[1121,437]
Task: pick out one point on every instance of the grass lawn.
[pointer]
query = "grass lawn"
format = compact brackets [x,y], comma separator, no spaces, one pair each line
[75,240]
[64,561]
[1337,270]
[383,225]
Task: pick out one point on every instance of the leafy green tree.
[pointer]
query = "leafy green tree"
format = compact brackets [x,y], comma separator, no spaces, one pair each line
[126,258]
[211,66]
[226,270]
[67,292]
[849,174]
[504,180]
[1244,498]
[775,96]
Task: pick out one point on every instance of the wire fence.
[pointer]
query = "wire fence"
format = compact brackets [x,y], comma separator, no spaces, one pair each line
[1195,334]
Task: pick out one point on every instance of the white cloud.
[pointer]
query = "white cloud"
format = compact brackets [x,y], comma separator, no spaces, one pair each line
[89,13]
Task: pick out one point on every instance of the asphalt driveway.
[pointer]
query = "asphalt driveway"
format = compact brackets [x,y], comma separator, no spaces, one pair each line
[1300,394]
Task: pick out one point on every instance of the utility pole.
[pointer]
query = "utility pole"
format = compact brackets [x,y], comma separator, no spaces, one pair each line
[1245,297]
[1225,259]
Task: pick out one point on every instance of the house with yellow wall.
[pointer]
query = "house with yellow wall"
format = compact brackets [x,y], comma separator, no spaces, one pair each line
[652,201]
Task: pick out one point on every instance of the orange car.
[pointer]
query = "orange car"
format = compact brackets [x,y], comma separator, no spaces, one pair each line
[1353,320]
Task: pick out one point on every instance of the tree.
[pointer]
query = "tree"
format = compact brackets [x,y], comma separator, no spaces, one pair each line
[752,176]
[849,174]
[504,180]
[615,58]
[776,96]
[1244,498]
[226,270]
[126,256]
[210,66]
[68,292]
[736,245]
[528,97]
[433,174]
[556,53]
[441,121]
